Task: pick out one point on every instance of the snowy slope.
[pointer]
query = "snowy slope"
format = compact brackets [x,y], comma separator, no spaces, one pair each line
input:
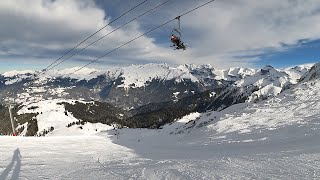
[76,157]
[265,83]
[277,138]
[149,83]
[274,139]
[298,71]
[283,118]
[269,81]
[234,74]
[51,113]
[314,73]
[93,157]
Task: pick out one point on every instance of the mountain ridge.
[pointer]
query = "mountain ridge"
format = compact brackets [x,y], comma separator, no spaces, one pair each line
[155,93]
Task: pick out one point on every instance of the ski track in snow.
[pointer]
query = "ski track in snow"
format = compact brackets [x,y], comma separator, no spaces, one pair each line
[59,157]
[93,157]
[273,139]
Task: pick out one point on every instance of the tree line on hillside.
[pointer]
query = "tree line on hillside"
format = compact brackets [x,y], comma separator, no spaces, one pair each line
[148,116]
[5,122]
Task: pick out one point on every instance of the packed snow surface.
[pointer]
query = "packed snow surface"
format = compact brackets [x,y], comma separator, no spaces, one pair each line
[52,113]
[274,139]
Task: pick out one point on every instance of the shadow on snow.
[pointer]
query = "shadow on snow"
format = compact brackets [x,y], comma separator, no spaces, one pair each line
[14,166]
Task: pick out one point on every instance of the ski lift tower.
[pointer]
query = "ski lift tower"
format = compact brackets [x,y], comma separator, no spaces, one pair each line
[11,117]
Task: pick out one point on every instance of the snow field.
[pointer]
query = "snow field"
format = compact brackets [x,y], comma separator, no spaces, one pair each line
[51,113]
[273,139]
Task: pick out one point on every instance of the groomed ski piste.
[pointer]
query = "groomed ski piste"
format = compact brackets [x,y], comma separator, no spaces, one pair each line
[274,139]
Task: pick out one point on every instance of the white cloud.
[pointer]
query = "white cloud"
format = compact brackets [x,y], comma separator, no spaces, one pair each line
[50,21]
[49,28]
[224,33]
[227,27]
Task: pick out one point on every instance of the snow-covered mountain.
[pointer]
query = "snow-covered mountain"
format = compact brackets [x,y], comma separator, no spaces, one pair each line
[118,85]
[277,138]
[151,95]
[313,74]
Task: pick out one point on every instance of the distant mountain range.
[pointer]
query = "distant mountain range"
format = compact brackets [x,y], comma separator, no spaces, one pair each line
[147,96]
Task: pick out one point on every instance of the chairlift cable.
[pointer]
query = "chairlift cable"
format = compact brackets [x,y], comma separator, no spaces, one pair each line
[95,33]
[141,36]
[154,8]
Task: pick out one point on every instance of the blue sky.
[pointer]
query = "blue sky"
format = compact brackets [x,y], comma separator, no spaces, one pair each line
[224,34]
[300,54]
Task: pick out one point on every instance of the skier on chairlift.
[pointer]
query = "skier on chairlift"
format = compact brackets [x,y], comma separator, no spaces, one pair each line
[175,39]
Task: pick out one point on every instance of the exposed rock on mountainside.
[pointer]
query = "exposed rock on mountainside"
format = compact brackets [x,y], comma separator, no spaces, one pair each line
[144,96]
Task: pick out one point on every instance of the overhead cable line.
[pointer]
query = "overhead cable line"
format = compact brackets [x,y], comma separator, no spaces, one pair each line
[154,8]
[141,36]
[96,33]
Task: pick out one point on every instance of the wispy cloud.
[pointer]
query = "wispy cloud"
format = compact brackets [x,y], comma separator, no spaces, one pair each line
[224,33]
